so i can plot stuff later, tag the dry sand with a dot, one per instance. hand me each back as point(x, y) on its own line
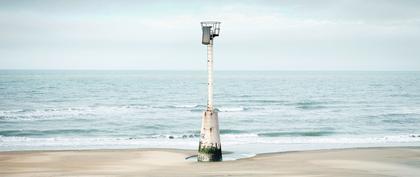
point(366, 162)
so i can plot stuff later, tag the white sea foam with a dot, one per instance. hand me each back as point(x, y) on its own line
point(188, 106)
point(231, 109)
point(30, 143)
point(64, 113)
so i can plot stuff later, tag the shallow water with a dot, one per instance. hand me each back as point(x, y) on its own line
point(259, 111)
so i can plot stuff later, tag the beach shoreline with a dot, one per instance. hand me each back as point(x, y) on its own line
point(376, 161)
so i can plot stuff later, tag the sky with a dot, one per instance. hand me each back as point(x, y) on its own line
point(166, 35)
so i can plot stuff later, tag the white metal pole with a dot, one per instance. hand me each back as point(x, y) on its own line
point(210, 75)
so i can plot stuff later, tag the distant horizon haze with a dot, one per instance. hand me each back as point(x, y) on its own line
point(203, 70)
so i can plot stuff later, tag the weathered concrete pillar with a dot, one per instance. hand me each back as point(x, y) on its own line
point(209, 148)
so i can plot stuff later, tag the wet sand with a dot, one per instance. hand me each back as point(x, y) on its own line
point(366, 162)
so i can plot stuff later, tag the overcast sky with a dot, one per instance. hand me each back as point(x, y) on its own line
point(255, 35)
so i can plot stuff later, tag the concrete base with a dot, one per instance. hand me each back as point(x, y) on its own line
point(209, 148)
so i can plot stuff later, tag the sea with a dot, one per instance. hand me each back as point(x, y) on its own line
point(259, 111)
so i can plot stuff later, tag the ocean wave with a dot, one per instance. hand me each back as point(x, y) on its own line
point(232, 131)
point(55, 132)
point(222, 109)
point(60, 113)
point(232, 109)
point(267, 101)
point(151, 126)
point(240, 137)
point(43, 143)
point(181, 106)
point(191, 107)
point(309, 105)
point(365, 139)
point(398, 115)
point(199, 108)
point(406, 95)
point(414, 135)
point(397, 118)
point(307, 133)
point(187, 106)
point(170, 136)
point(195, 134)
point(244, 96)
point(408, 120)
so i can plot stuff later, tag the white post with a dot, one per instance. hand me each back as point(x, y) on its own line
point(209, 147)
point(210, 75)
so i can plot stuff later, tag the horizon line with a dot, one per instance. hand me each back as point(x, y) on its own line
point(349, 70)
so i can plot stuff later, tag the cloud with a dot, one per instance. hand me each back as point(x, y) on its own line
point(345, 34)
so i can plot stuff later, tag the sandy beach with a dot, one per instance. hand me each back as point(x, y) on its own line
point(400, 161)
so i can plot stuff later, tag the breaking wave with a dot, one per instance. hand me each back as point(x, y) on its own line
point(309, 105)
point(308, 133)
